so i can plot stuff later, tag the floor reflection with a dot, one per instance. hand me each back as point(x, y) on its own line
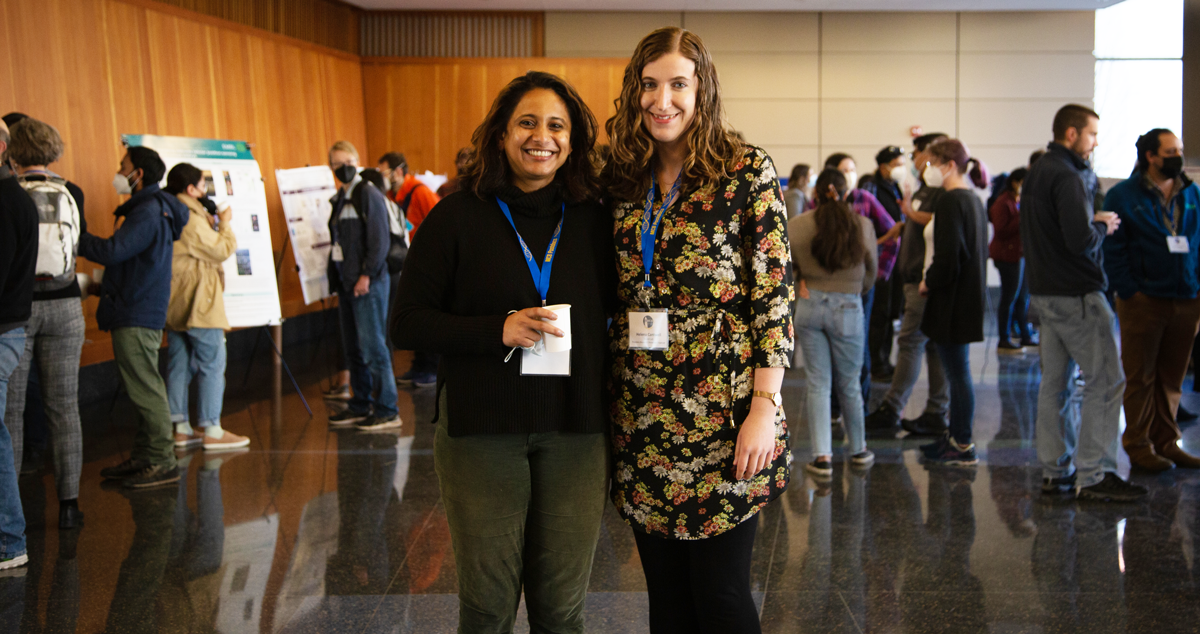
point(320, 530)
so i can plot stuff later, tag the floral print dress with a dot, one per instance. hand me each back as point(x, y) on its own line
point(722, 268)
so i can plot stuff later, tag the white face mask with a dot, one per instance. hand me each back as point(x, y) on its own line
point(121, 184)
point(851, 180)
point(933, 176)
point(812, 181)
point(897, 174)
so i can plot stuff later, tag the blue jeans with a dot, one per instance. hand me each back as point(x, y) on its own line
point(12, 516)
point(957, 366)
point(832, 332)
point(1014, 299)
point(1078, 330)
point(199, 352)
point(364, 340)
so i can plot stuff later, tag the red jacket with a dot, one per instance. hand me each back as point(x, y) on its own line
point(1005, 217)
point(422, 201)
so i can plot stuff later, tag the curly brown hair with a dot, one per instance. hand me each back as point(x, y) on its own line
point(488, 169)
point(713, 149)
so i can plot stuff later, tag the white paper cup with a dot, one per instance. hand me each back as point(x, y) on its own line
point(97, 275)
point(222, 206)
point(563, 323)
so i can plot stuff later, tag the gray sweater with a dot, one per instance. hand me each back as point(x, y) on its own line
point(854, 280)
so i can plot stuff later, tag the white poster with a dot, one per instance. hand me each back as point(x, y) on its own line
point(305, 192)
point(232, 175)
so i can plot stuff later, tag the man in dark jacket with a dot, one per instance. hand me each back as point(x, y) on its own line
point(1152, 262)
point(18, 257)
point(1061, 234)
point(134, 293)
point(358, 273)
point(889, 295)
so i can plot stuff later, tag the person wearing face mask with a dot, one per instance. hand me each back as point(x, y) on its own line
point(1152, 261)
point(1061, 236)
point(955, 282)
point(702, 338)
point(1005, 251)
point(884, 184)
point(134, 295)
point(196, 321)
point(520, 450)
point(358, 273)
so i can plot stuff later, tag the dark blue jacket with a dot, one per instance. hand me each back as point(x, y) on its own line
point(1136, 257)
point(137, 260)
point(364, 235)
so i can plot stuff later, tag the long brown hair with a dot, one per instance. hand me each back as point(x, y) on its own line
point(488, 169)
point(713, 150)
point(838, 244)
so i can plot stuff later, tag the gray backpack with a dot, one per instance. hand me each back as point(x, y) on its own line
point(58, 232)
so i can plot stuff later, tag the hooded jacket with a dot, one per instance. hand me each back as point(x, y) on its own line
point(137, 260)
point(197, 279)
point(1136, 256)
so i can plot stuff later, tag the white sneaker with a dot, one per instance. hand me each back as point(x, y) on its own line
point(15, 562)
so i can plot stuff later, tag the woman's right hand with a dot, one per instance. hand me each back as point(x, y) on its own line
point(525, 327)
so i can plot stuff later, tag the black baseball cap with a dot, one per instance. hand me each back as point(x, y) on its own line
point(888, 154)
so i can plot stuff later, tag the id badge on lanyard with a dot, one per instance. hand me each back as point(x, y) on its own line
point(651, 329)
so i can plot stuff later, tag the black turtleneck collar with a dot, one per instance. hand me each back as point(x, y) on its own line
point(543, 202)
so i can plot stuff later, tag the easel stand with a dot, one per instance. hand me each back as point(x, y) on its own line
point(275, 335)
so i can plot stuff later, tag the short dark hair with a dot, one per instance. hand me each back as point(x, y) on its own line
point(1149, 143)
point(373, 176)
point(149, 162)
point(1035, 155)
point(888, 154)
point(488, 169)
point(395, 161)
point(923, 141)
point(1070, 116)
point(836, 159)
point(182, 175)
point(12, 118)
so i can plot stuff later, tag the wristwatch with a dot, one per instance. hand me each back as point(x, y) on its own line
point(774, 397)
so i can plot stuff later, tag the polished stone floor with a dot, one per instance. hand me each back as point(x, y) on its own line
point(320, 530)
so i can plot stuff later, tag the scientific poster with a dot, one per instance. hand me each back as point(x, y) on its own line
point(305, 192)
point(231, 174)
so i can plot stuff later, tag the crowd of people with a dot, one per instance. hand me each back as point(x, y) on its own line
point(688, 273)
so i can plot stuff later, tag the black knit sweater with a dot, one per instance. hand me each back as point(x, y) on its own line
point(465, 272)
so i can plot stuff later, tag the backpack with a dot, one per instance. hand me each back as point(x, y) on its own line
point(398, 250)
point(58, 232)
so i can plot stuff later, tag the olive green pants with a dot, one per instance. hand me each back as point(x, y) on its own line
point(524, 512)
point(136, 353)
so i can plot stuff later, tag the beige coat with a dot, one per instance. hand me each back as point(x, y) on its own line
point(197, 279)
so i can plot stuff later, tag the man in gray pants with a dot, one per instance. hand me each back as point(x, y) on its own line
point(1061, 235)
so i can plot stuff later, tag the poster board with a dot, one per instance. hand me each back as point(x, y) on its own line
point(232, 175)
point(305, 192)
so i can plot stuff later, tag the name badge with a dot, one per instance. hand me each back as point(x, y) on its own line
point(649, 330)
point(1177, 244)
point(336, 253)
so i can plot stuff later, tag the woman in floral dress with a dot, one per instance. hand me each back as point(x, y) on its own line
point(699, 437)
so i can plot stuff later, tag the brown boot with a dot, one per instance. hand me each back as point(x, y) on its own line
point(1145, 458)
point(1181, 458)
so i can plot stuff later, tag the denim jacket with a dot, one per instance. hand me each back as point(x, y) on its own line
point(1136, 256)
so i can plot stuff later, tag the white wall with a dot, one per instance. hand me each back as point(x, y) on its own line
point(805, 85)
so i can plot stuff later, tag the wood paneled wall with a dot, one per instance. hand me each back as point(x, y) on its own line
point(428, 107)
point(330, 23)
point(96, 69)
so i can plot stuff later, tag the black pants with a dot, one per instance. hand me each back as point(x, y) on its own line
point(1014, 299)
point(889, 300)
point(701, 586)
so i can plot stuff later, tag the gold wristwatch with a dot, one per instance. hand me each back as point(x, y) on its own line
point(774, 397)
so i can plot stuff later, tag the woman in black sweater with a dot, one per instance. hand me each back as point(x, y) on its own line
point(521, 457)
point(955, 281)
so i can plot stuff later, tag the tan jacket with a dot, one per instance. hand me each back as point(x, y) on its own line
point(197, 279)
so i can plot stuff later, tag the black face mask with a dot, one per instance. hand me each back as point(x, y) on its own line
point(1172, 166)
point(345, 173)
point(209, 205)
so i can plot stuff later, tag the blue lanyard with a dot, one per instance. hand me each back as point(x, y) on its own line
point(651, 220)
point(541, 275)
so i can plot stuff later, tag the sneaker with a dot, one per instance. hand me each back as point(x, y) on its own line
point(1030, 342)
point(376, 423)
point(346, 417)
point(883, 418)
point(337, 393)
point(822, 469)
point(1059, 486)
point(227, 441)
point(424, 379)
point(184, 441)
point(406, 379)
point(953, 454)
point(864, 458)
point(1112, 489)
point(936, 447)
point(124, 470)
point(14, 562)
point(152, 476)
point(927, 424)
point(1008, 347)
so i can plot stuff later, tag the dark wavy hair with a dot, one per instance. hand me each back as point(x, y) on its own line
point(713, 149)
point(488, 170)
point(955, 151)
point(182, 175)
point(838, 243)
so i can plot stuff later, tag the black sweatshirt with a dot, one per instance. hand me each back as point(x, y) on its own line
point(957, 277)
point(465, 272)
point(18, 254)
